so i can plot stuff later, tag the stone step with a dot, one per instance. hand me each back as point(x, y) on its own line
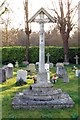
point(19, 102)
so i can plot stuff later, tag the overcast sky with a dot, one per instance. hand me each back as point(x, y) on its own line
point(17, 7)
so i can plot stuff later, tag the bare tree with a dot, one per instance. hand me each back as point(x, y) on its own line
point(27, 31)
point(2, 8)
point(64, 15)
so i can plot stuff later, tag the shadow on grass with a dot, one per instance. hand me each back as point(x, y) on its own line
point(8, 87)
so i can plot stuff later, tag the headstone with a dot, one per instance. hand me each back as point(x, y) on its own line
point(10, 70)
point(60, 69)
point(21, 74)
point(65, 78)
point(48, 55)
point(50, 65)
point(47, 67)
point(5, 68)
point(16, 64)
point(48, 72)
point(76, 59)
point(2, 75)
point(32, 67)
point(77, 73)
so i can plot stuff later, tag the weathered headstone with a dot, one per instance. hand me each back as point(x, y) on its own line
point(32, 67)
point(60, 69)
point(2, 75)
point(65, 78)
point(76, 58)
point(48, 55)
point(21, 74)
point(5, 68)
point(10, 70)
point(51, 65)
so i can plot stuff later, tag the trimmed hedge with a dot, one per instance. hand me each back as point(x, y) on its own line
point(13, 54)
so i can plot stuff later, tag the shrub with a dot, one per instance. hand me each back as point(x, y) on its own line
point(13, 54)
point(20, 82)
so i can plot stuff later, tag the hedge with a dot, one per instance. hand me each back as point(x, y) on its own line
point(13, 54)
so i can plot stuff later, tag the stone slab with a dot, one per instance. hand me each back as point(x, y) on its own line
point(21, 74)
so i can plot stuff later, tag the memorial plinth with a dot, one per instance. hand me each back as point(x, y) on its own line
point(42, 95)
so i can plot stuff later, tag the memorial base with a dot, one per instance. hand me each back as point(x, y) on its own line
point(42, 96)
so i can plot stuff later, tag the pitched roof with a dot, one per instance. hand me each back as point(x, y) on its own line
point(45, 12)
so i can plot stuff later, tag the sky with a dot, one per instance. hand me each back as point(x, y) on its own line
point(17, 12)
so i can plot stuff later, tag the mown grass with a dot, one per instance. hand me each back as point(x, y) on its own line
point(8, 90)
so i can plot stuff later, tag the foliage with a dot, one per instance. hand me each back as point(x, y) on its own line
point(17, 37)
point(29, 77)
point(13, 54)
point(20, 82)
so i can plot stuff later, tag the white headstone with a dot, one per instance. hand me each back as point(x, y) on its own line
point(47, 67)
point(21, 74)
point(10, 70)
point(76, 59)
point(10, 65)
point(48, 72)
point(77, 73)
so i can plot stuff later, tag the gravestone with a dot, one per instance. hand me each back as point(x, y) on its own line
point(60, 69)
point(21, 74)
point(77, 72)
point(76, 58)
point(10, 70)
point(2, 75)
point(48, 72)
point(5, 68)
point(50, 65)
point(32, 67)
point(48, 55)
point(65, 78)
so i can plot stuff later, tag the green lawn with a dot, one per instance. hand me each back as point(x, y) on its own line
point(8, 90)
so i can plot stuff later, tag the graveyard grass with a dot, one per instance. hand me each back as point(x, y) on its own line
point(8, 90)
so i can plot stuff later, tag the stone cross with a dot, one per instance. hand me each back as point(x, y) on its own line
point(76, 59)
point(48, 55)
point(42, 75)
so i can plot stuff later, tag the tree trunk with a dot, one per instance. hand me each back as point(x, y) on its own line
point(27, 48)
point(66, 48)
